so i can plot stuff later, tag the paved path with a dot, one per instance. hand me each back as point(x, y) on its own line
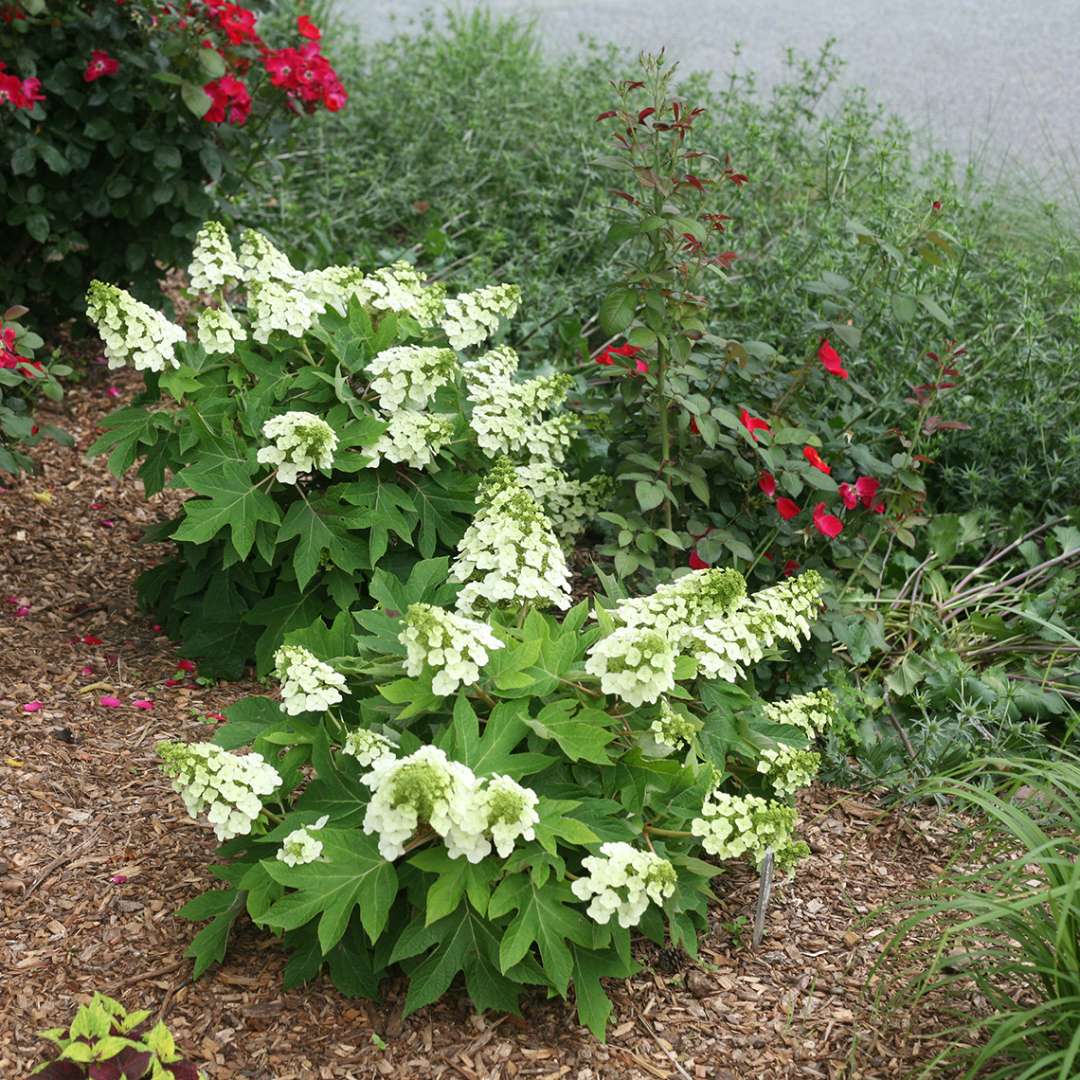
point(993, 78)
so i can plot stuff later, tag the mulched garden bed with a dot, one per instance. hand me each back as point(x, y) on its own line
point(96, 854)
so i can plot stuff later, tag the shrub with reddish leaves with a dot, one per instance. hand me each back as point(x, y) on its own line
point(126, 125)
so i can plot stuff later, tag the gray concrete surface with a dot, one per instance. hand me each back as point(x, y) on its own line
point(997, 79)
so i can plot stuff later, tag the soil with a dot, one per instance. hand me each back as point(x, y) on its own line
point(96, 854)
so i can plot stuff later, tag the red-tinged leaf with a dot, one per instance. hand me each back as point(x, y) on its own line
point(606, 115)
point(624, 195)
point(694, 182)
point(676, 108)
point(634, 85)
point(641, 116)
point(691, 154)
point(61, 1070)
point(183, 1070)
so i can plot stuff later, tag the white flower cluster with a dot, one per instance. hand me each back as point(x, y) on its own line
point(788, 769)
point(473, 317)
point(427, 788)
point(260, 260)
point(621, 881)
point(300, 847)
point(568, 503)
point(369, 748)
point(412, 438)
point(812, 713)
point(734, 825)
point(509, 552)
point(406, 376)
point(277, 305)
point(332, 286)
point(725, 646)
point(676, 607)
point(213, 261)
point(634, 663)
point(505, 414)
point(301, 442)
point(131, 330)
point(307, 684)
point(226, 786)
point(673, 729)
point(401, 288)
point(453, 646)
point(219, 330)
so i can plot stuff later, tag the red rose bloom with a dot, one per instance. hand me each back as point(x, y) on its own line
point(827, 524)
point(866, 487)
point(101, 65)
point(753, 424)
point(787, 509)
point(767, 483)
point(814, 458)
point(790, 567)
point(830, 358)
point(849, 495)
point(230, 101)
point(308, 29)
point(696, 562)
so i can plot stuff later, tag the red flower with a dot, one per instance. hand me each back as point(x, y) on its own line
point(936, 204)
point(752, 424)
point(790, 567)
point(814, 458)
point(238, 24)
point(849, 495)
point(186, 665)
point(308, 29)
point(19, 93)
point(696, 562)
point(866, 487)
point(878, 507)
point(834, 365)
point(607, 357)
point(101, 65)
point(827, 524)
point(694, 429)
point(230, 101)
point(767, 483)
point(787, 509)
point(641, 367)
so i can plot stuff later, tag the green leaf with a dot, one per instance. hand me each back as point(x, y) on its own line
point(617, 310)
point(317, 526)
point(234, 503)
point(195, 98)
point(211, 942)
point(582, 734)
point(544, 918)
point(352, 964)
point(493, 751)
point(211, 62)
point(650, 494)
point(456, 878)
point(351, 872)
point(593, 1004)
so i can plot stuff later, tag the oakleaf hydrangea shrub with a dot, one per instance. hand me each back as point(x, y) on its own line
point(124, 125)
point(479, 781)
point(323, 424)
point(106, 1041)
point(24, 380)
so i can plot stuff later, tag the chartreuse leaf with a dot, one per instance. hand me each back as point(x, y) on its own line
point(582, 733)
point(462, 942)
point(456, 878)
point(545, 918)
point(350, 873)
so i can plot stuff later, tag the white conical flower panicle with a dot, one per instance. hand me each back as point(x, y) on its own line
point(407, 376)
point(401, 288)
point(213, 261)
point(622, 881)
point(676, 607)
point(473, 317)
point(218, 331)
point(260, 261)
point(131, 330)
point(454, 647)
point(278, 306)
point(300, 847)
point(307, 684)
point(301, 441)
point(674, 729)
point(734, 825)
point(792, 604)
point(812, 713)
point(331, 287)
point(568, 503)
point(509, 812)
point(425, 788)
point(411, 438)
point(634, 664)
point(369, 748)
point(788, 770)
point(509, 553)
point(226, 786)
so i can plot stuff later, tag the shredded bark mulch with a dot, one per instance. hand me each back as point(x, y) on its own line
point(96, 854)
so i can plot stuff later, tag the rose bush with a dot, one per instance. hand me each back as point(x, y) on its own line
point(473, 786)
point(324, 424)
point(124, 126)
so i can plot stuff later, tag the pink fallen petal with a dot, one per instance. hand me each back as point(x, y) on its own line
point(87, 670)
point(119, 879)
point(186, 665)
point(32, 706)
point(142, 703)
point(174, 682)
point(97, 506)
point(12, 600)
point(156, 628)
point(113, 391)
point(107, 523)
point(90, 639)
point(215, 716)
point(22, 611)
point(110, 702)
